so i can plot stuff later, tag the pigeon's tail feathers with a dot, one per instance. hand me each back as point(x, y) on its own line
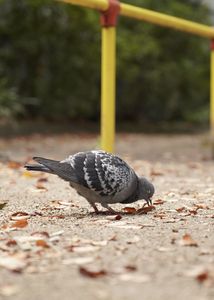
point(62, 169)
point(37, 167)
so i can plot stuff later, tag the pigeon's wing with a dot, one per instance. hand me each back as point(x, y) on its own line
point(102, 172)
point(62, 169)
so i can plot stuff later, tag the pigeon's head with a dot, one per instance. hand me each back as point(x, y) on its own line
point(145, 190)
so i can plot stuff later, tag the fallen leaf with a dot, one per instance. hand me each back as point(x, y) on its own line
point(42, 179)
point(193, 211)
point(41, 234)
point(201, 206)
point(82, 248)
point(40, 186)
point(91, 273)
point(130, 210)
point(160, 215)
point(57, 233)
point(2, 205)
point(188, 241)
point(115, 217)
point(145, 210)
point(20, 224)
point(11, 242)
point(99, 243)
point(180, 209)
point(58, 204)
point(42, 243)
point(156, 173)
point(202, 276)
point(130, 268)
point(14, 165)
point(169, 221)
point(19, 216)
point(159, 202)
point(134, 240)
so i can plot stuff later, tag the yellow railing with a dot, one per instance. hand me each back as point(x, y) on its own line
point(108, 58)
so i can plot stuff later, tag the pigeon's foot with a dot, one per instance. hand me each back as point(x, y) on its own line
point(111, 210)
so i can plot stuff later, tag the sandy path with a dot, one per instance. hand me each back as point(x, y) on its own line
point(139, 256)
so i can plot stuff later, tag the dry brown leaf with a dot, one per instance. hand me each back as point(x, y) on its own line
point(99, 243)
point(113, 238)
point(40, 186)
point(11, 242)
point(202, 276)
point(59, 204)
point(130, 210)
point(169, 220)
point(133, 240)
point(20, 224)
point(57, 233)
point(206, 277)
point(82, 248)
point(42, 243)
point(159, 202)
point(180, 209)
point(156, 173)
point(130, 268)
point(201, 206)
point(41, 234)
point(92, 273)
point(145, 210)
point(113, 218)
point(14, 165)
point(187, 240)
point(56, 216)
point(160, 215)
point(42, 179)
point(20, 215)
point(193, 211)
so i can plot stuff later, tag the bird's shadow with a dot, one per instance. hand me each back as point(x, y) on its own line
point(87, 213)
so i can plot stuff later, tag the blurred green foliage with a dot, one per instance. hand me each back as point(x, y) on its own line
point(50, 63)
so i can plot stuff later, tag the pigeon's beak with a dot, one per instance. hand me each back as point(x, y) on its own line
point(149, 202)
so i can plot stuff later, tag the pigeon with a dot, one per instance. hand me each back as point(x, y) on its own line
point(98, 176)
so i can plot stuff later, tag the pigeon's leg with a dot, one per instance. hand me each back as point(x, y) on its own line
point(105, 205)
point(94, 207)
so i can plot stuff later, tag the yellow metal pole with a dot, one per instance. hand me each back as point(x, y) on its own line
point(166, 20)
point(95, 4)
point(212, 98)
point(108, 88)
point(149, 16)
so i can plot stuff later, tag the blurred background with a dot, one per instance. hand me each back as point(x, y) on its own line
point(50, 68)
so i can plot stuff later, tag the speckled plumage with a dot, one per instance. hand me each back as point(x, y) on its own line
point(99, 177)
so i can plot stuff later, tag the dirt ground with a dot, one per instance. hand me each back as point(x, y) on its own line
point(52, 244)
